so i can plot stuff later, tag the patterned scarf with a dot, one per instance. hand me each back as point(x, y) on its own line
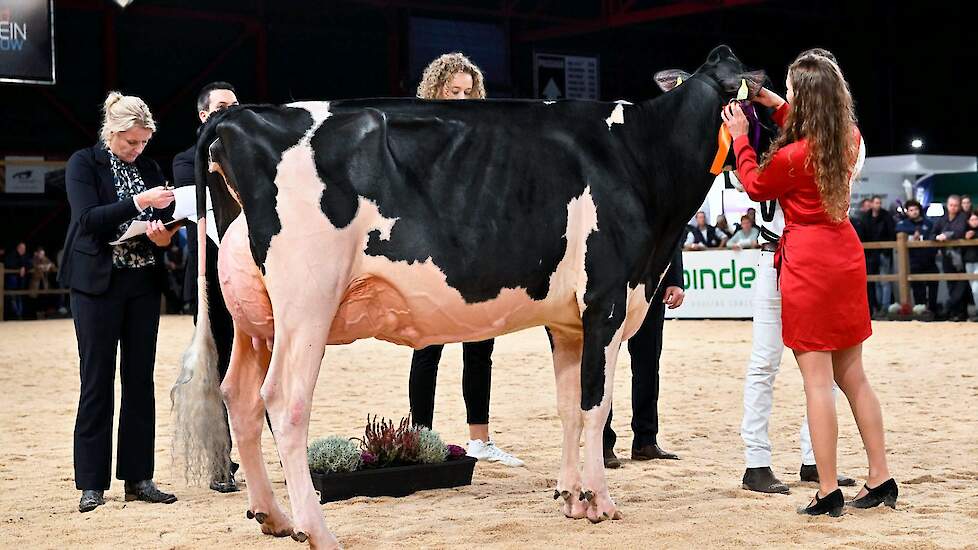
point(128, 182)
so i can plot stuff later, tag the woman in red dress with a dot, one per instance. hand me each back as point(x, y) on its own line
point(820, 261)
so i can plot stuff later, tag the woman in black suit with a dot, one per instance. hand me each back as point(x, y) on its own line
point(115, 299)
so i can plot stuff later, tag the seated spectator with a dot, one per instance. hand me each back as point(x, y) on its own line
point(20, 262)
point(966, 206)
point(703, 235)
point(42, 272)
point(919, 228)
point(746, 236)
point(724, 231)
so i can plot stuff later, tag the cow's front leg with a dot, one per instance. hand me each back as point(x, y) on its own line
point(246, 411)
point(567, 371)
point(287, 392)
point(603, 326)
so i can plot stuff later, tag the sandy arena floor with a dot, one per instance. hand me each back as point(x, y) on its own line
point(926, 381)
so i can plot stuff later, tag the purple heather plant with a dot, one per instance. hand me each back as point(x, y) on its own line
point(455, 452)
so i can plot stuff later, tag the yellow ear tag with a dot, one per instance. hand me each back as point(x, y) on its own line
point(743, 91)
point(679, 80)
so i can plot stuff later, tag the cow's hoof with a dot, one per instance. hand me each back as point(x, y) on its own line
point(261, 517)
point(572, 508)
point(299, 536)
point(602, 508)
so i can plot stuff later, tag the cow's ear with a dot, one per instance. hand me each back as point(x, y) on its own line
point(671, 78)
point(755, 81)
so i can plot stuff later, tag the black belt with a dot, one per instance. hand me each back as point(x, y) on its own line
point(769, 247)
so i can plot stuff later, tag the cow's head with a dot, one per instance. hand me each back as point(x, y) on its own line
point(721, 67)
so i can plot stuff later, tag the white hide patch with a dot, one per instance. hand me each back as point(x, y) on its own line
point(549, 102)
point(623, 102)
point(617, 116)
point(319, 111)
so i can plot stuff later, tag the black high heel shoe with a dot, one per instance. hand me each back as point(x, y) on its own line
point(884, 493)
point(830, 504)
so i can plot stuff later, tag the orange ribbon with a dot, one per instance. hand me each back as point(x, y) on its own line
point(724, 140)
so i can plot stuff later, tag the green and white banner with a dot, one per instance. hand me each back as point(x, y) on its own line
point(719, 284)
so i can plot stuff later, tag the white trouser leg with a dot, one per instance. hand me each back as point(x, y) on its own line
point(765, 361)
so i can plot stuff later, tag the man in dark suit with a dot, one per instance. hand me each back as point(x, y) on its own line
point(645, 348)
point(212, 97)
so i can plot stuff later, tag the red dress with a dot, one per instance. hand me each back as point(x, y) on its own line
point(821, 265)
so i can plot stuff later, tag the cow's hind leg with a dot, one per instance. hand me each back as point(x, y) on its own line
point(246, 411)
point(603, 327)
point(567, 372)
point(298, 352)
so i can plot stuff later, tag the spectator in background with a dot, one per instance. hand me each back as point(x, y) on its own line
point(702, 236)
point(918, 228)
point(746, 236)
point(970, 254)
point(966, 206)
point(176, 264)
point(877, 225)
point(724, 231)
point(40, 279)
point(953, 225)
point(20, 262)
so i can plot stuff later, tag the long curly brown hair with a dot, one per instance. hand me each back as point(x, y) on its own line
point(440, 71)
point(822, 111)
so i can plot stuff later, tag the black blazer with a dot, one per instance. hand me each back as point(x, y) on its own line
point(96, 213)
point(184, 175)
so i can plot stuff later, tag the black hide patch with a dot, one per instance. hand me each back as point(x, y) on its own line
point(253, 140)
point(481, 188)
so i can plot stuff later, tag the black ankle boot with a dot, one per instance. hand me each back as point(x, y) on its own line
point(884, 493)
point(830, 504)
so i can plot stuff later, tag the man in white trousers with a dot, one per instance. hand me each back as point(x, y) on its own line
point(765, 362)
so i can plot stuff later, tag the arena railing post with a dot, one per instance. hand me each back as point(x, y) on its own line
point(903, 269)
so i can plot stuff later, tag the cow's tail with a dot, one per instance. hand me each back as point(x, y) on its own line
point(200, 432)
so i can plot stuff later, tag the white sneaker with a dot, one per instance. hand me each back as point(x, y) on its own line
point(476, 448)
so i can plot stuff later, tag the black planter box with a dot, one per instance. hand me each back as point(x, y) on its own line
point(397, 481)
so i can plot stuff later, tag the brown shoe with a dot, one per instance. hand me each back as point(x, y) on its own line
point(611, 459)
point(652, 452)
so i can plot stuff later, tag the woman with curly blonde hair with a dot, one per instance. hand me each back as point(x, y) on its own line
point(453, 76)
point(820, 262)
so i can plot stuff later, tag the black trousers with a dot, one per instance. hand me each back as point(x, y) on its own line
point(476, 380)
point(127, 315)
point(645, 347)
point(958, 291)
point(925, 292)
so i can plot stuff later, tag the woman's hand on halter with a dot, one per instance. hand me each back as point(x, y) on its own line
point(733, 117)
point(768, 98)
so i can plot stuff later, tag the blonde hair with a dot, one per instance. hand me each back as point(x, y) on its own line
point(823, 113)
point(439, 72)
point(122, 112)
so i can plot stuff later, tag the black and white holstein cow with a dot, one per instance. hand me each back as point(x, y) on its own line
point(426, 222)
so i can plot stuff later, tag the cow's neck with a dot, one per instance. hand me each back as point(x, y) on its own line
point(674, 147)
point(678, 137)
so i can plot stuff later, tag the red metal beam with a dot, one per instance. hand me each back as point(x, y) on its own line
point(436, 7)
point(194, 84)
point(110, 69)
point(624, 18)
point(89, 133)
